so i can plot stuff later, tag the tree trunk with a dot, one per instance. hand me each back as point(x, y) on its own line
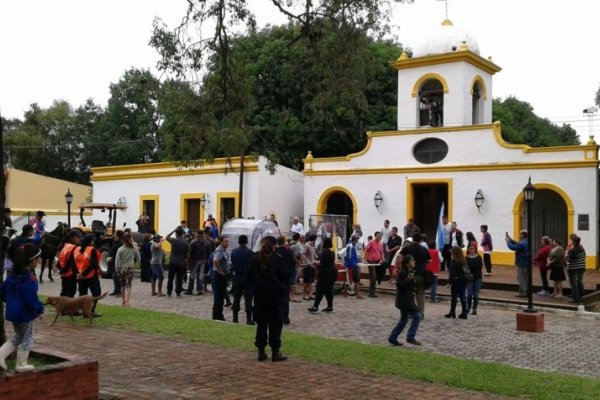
point(241, 189)
point(2, 249)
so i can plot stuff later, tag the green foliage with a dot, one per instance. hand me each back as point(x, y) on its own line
point(521, 125)
point(315, 84)
point(461, 373)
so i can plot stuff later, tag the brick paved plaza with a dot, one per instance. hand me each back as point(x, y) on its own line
point(489, 336)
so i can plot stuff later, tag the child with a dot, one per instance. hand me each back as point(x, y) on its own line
point(19, 292)
point(434, 266)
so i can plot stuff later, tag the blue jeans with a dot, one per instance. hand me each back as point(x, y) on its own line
point(433, 289)
point(576, 281)
point(412, 330)
point(473, 289)
point(196, 276)
point(157, 272)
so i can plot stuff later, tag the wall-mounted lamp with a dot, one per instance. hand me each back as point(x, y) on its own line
point(479, 199)
point(204, 201)
point(122, 201)
point(378, 199)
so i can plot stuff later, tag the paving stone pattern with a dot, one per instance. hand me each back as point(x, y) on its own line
point(568, 344)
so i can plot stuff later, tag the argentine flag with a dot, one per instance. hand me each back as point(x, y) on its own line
point(440, 230)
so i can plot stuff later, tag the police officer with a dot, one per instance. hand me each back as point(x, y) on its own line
point(240, 261)
point(268, 277)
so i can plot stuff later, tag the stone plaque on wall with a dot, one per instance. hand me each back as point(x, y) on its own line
point(583, 222)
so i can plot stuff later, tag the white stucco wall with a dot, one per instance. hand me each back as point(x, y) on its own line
point(263, 193)
point(281, 192)
point(475, 160)
point(500, 188)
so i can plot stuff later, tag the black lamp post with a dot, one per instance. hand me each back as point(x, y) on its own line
point(529, 193)
point(69, 200)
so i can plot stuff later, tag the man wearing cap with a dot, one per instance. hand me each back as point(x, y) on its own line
point(521, 260)
point(240, 263)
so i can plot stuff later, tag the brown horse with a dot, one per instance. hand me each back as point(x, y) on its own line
point(49, 247)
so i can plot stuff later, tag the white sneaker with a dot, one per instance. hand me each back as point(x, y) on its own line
point(543, 293)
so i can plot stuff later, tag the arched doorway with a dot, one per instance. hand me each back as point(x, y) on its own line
point(552, 213)
point(431, 103)
point(477, 103)
point(339, 200)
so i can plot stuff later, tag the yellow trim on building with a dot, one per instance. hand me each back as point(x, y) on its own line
point(425, 78)
point(322, 203)
point(507, 258)
point(169, 164)
point(477, 78)
point(183, 206)
point(454, 168)
point(437, 59)
point(497, 129)
point(74, 212)
point(520, 203)
point(432, 181)
point(227, 195)
point(155, 173)
point(153, 218)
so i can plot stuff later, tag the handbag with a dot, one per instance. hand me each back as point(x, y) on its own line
point(467, 274)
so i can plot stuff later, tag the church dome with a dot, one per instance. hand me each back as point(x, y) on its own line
point(446, 38)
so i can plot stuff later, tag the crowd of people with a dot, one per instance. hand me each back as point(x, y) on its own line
point(268, 280)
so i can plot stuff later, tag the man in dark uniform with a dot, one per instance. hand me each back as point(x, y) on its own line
point(290, 264)
point(269, 281)
point(240, 262)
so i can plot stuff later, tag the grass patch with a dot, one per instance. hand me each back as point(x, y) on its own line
point(384, 360)
point(37, 362)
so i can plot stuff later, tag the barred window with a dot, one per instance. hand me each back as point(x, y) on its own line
point(430, 151)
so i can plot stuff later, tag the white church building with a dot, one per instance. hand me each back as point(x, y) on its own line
point(446, 150)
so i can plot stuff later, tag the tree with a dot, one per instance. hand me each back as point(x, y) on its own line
point(597, 99)
point(284, 87)
point(128, 131)
point(521, 125)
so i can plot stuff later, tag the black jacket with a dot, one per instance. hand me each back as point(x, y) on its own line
point(405, 292)
point(270, 281)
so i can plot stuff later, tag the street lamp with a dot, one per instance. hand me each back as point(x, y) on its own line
point(529, 193)
point(69, 200)
point(378, 199)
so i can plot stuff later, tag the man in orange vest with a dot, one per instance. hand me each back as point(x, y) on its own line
point(87, 262)
point(66, 264)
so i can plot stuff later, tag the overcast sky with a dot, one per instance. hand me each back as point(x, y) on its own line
point(73, 49)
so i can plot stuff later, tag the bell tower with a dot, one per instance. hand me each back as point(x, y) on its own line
point(445, 82)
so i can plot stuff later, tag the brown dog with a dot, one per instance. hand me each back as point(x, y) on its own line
point(71, 305)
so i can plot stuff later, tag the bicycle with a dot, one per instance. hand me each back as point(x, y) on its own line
point(342, 283)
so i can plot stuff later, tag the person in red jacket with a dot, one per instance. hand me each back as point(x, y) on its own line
point(541, 260)
point(434, 267)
